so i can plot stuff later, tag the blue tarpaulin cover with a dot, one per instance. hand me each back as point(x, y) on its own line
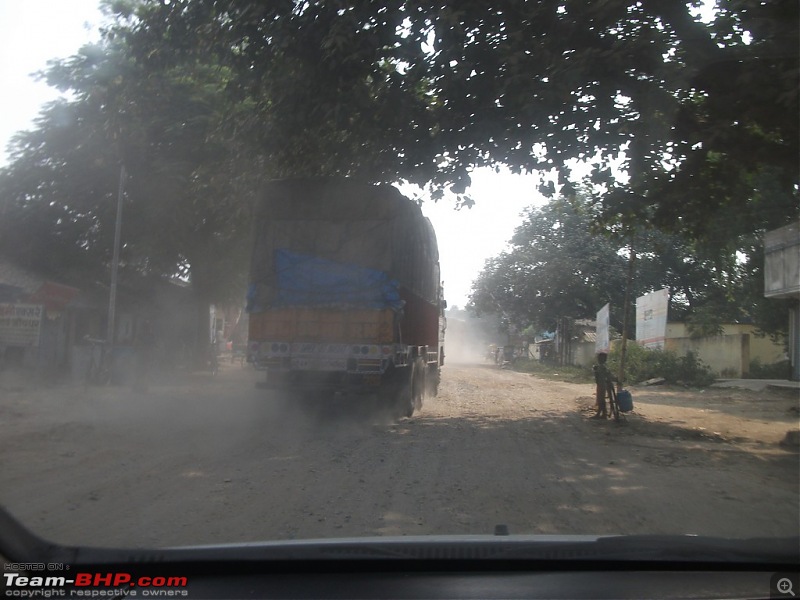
point(311, 281)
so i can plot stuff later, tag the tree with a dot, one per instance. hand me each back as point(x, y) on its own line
point(557, 267)
point(57, 197)
point(188, 188)
point(561, 265)
point(425, 91)
point(707, 287)
point(201, 100)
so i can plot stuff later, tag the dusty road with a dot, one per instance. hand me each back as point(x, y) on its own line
point(203, 460)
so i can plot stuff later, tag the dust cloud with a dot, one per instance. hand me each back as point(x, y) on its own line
point(467, 338)
point(199, 459)
point(183, 412)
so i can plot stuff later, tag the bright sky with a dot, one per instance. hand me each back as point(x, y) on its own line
point(35, 31)
point(469, 236)
point(31, 33)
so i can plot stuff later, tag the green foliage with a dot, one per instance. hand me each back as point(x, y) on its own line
point(642, 364)
point(778, 370)
point(425, 91)
point(203, 100)
point(705, 321)
point(557, 266)
point(186, 194)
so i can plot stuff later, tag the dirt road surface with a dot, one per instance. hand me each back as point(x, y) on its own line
point(203, 459)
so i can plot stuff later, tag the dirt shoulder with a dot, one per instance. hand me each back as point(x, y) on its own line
point(755, 420)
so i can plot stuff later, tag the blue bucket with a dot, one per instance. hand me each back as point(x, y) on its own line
point(625, 401)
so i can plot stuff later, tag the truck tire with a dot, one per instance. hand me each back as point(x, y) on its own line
point(404, 402)
point(418, 383)
point(398, 392)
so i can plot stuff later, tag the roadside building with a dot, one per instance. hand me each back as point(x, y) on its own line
point(34, 321)
point(54, 327)
point(782, 281)
point(729, 354)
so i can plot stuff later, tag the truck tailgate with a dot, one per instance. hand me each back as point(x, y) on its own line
point(306, 324)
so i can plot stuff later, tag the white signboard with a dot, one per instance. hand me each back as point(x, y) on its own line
point(602, 344)
point(651, 319)
point(20, 324)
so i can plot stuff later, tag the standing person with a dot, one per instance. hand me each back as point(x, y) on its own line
point(603, 381)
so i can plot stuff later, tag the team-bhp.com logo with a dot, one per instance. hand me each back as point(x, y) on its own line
point(93, 585)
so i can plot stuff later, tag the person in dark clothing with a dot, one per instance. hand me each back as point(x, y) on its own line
point(603, 380)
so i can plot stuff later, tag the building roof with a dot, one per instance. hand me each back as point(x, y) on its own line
point(12, 275)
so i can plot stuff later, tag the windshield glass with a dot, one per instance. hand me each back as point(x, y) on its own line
point(312, 269)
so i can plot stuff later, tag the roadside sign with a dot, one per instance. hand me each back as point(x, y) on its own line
point(602, 343)
point(651, 319)
point(20, 324)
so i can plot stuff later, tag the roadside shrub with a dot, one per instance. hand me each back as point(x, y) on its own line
point(642, 364)
point(691, 370)
point(778, 370)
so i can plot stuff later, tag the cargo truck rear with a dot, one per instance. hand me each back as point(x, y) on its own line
point(345, 293)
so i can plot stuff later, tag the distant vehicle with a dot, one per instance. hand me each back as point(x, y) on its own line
point(345, 293)
point(491, 353)
point(509, 355)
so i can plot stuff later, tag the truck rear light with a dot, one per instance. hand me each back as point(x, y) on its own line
point(370, 365)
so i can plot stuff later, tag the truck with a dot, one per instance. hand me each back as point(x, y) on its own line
point(344, 293)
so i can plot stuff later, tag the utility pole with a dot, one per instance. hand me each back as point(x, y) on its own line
point(112, 297)
point(625, 312)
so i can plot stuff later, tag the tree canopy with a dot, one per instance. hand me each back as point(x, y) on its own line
point(185, 195)
point(559, 265)
point(703, 113)
point(202, 100)
point(555, 268)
